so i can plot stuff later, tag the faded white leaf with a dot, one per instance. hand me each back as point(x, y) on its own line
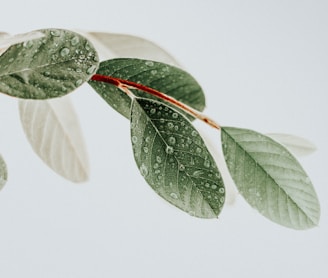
point(111, 46)
point(297, 145)
point(53, 130)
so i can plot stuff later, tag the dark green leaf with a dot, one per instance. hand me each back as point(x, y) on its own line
point(270, 178)
point(3, 173)
point(174, 160)
point(47, 67)
point(162, 77)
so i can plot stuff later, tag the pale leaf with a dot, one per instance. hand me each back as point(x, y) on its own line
point(53, 130)
point(297, 145)
point(111, 46)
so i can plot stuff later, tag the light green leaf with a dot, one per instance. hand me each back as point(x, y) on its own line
point(270, 178)
point(174, 160)
point(297, 145)
point(53, 130)
point(46, 67)
point(110, 45)
point(162, 77)
point(3, 173)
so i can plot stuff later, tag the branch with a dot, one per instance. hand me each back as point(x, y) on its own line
point(126, 84)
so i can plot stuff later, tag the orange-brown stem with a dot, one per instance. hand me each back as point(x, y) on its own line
point(122, 84)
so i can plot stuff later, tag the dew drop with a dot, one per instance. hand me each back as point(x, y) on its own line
point(145, 149)
point(75, 40)
point(182, 167)
point(147, 140)
point(78, 82)
point(28, 44)
point(207, 163)
point(64, 52)
point(91, 69)
point(197, 173)
point(221, 190)
point(169, 150)
point(55, 33)
point(153, 72)
point(174, 195)
point(175, 115)
point(87, 46)
point(46, 73)
point(172, 140)
point(152, 111)
point(158, 159)
point(134, 139)
point(170, 125)
point(149, 63)
point(162, 120)
point(194, 133)
point(207, 185)
point(214, 186)
point(155, 166)
point(143, 170)
point(198, 150)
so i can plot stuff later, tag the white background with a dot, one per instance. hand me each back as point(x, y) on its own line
point(263, 65)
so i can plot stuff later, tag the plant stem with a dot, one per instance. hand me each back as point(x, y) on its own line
point(126, 84)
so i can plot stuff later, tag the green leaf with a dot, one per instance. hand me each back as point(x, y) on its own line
point(174, 160)
point(270, 179)
point(162, 77)
point(47, 67)
point(3, 173)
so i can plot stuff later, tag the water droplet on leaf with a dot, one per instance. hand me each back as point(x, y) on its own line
point(169, 150)
point(75, 40)
point(78, 82)
point(134, 139)
point(91, 69)
point(172, 140)
point(149, 63)
point(55, 33)
point(174, 195)
point(144, 170)
point(64, 52)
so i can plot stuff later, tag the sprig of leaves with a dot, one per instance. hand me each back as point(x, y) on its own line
point(160, 101)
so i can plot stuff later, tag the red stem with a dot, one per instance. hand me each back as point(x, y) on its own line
point(126, 84)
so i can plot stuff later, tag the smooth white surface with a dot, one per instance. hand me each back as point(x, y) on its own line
point(263, 65)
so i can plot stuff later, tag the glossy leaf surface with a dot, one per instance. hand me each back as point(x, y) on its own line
point(47, 67)
point(270, 178)
point(53, 130)
point(174, 160)
point(162, 77)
